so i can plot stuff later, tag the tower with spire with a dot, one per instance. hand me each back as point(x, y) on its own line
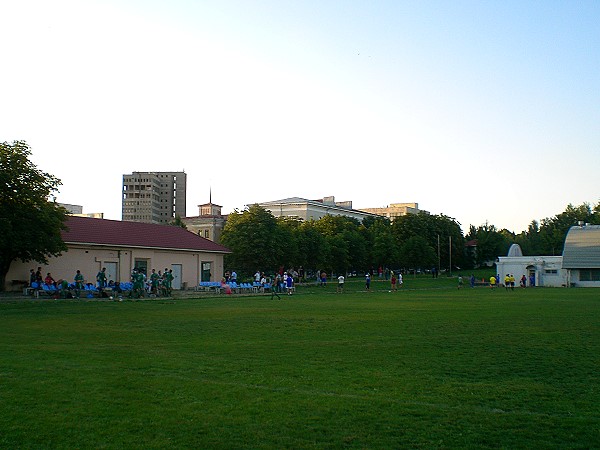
point(209, 222)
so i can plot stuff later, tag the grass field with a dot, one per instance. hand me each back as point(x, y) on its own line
point(430, 366)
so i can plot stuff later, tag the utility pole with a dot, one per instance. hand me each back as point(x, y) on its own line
point(439, 265)
point(450, 253)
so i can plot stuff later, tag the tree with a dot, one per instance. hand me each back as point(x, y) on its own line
point(553, 231)
point(255, 239)
point(382, 244)
point(416, 253)
point(30, 224)
point(491, 243)
point(312, 246)
point(345, 248)
point(439, 231)
point(530, 240)
point(178, 222)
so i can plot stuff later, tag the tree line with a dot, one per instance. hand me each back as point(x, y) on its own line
point(338, 244)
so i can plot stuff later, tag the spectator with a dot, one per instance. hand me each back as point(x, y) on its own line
point(79, 280)
point(101, 278)
point(49, 280)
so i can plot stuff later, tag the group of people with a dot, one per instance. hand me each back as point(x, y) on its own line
point(510, 281)
point(396, 281)
point(63, 288)
point(283, 280)
point(157, 284)
point(280, 281)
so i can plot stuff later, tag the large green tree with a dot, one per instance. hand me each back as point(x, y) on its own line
point(547, 237)
point(416, 253)
point(491, 243)
point(30, 223)
point(256, 240)
point(345, 247)
point(442, 233)
point(382, 248)
point(553, 231)
point(312, 246)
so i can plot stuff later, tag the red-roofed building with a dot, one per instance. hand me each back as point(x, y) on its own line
point(121, 246)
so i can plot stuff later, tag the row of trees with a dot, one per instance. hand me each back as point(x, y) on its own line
point(415, 241)
point(340, 244)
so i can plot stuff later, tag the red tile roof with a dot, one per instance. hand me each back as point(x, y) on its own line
point(86, 230)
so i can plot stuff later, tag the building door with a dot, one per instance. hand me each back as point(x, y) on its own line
point(205, 274)
point(176, 268)
point(531, 276)
point(141, 265)
point(111, 271)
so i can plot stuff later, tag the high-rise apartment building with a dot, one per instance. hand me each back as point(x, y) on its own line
point(154, 197)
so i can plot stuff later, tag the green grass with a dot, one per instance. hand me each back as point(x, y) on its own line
point(430, 366)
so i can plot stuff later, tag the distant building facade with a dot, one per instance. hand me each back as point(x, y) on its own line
point(395, 210)
point(77, 210)
point(304, 209)
point(209, 222)
point(154, 197)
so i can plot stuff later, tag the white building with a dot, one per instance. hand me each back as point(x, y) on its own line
point(304, 209)
point(578, 266)
point(542, 270)
point(581, 256)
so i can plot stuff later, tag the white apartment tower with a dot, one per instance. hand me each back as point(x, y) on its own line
point(154, 197)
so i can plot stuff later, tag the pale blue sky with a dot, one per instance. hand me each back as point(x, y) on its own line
point(480, 110)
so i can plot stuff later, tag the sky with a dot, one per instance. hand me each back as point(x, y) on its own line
point(484, 111)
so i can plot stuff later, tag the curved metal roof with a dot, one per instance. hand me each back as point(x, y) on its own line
point(582, 248)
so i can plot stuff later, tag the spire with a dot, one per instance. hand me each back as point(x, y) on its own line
point(210, 195)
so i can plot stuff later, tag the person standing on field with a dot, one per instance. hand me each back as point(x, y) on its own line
point(323, 279)
point(340, 286)
point(394, 279)
point(101, 278)
point(154, 279)
point(79, 280)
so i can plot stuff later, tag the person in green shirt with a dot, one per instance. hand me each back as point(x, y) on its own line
point(79, 280)
point(101, 278)
point(137, 277)
point(154, 279)
point(167, 281)
point(63, 285)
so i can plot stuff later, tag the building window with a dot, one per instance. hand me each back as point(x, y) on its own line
point(206, 234)
point(589, 274)
point(551, 272)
